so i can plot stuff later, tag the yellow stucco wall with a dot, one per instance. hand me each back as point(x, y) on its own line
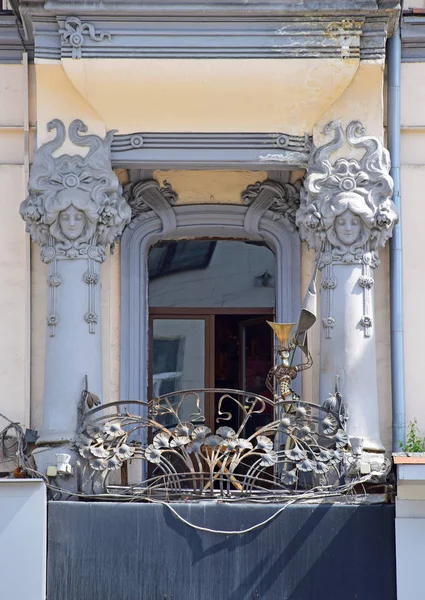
point(204, 187)
point(210, 95)
point(362, 100)
point(412, 186)
point(14, 248)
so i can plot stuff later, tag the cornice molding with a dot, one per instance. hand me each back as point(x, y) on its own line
point(206, 29)
point(413, 38)
point(211, 150)
point(206, 7)
point(241, 37)
point(10, 42)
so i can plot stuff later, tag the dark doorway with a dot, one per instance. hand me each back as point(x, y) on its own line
point(212, 349)
point(243, 357)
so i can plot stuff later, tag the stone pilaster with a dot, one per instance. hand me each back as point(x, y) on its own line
point(346, 214)
point(74, 210)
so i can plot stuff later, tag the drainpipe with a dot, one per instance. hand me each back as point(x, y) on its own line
point(14, 5)
point(396, 257)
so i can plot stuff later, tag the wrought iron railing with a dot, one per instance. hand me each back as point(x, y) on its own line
point(277, 445)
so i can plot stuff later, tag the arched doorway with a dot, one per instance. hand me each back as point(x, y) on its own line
point(216, 222)
point(209, 302)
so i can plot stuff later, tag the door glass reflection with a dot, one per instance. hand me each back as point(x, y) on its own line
point(214, 274)
point(179, 362)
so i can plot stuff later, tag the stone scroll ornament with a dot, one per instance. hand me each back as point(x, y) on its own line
point(346, 213)
point(75, 206)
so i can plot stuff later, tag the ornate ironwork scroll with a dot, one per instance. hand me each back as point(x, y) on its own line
point(302, 446)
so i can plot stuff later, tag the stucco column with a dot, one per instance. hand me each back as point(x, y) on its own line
point(73, 211)
point(346, 214)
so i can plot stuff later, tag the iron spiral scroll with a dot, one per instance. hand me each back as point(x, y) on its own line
point(303, 446)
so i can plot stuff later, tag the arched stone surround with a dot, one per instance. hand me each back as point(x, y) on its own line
point(192, 221)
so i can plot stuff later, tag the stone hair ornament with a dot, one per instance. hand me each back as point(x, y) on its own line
point(75, 205)
point(347, 204)
point(346, 213)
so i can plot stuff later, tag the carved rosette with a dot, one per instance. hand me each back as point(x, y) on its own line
point(346, 209)
point(75, 206)
point(74, 32)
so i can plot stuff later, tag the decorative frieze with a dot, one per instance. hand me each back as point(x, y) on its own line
point(235, 30)
point(74, 31)
point(75, 207)
point(198, 141)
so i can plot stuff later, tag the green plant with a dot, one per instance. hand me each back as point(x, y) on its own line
point(414, 441)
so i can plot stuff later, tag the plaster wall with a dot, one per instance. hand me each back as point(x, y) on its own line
point(413, 4)
point(13, 297)
point(203, 187)
point(362, 100)
point(209, 95)
point(293, 96)
point(412, 186)
point(14, 248)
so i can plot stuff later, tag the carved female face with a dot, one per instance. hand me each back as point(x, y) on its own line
point(348, 227)
point(72, 222)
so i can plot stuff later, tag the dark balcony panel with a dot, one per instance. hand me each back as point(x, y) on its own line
point(111, 551)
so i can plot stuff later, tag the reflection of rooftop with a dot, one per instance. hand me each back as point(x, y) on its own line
point(205, 273)
point(176, 256)
point(158, 378)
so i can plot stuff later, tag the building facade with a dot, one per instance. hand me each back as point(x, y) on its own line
point(230, 155)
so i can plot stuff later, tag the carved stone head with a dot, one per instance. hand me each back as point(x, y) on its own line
point(72, 217)
point(348, 227)
point(348, 222)
point(72, 222)
point(75, 206)
point(346, 207)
